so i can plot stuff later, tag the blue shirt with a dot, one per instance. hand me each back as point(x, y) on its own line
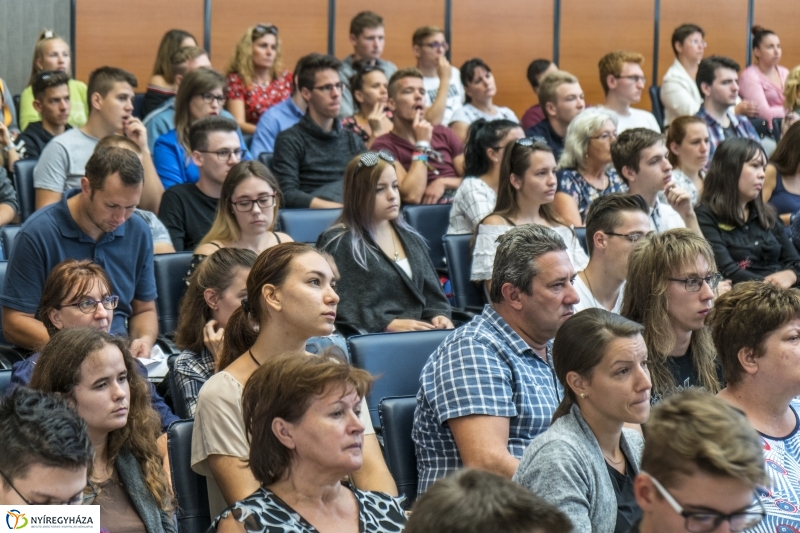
point(51, 235)
point(545, 131)
point(273, 121)
point(162, 119)
point(482, 368)
point(741, 125)
point(172, 163)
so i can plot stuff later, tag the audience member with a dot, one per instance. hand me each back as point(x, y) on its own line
point(429, 159)
point(8, 155)
point(688, 144)
point(311, 155)
point(201, 94)
point(702, 466)
point(387, 281)
point(755, 328)
point(480, 88)
point(680, 95)
point(163, 85)
point(586, 462)
point(286, 282)
point(476, 197)
point(62, 163)
point(623, 81)
point(499, 363)
point(762, 82)
point(51, 52)
point(47, 454)
point(188, 209)
point(51, 101)
point(94, 222)
point(287, 408)
point(718, 81)
point(537, 70)
point(430, 49)
point(747, 237)
point(367, 36)
point(670, 288)
point(9, 206)
point(256, 79)
point(561, 99)
point(370, 89)
point(8, 112)
point(524, 196)
point(615, 223)
point(640, 158)
point(782, 177)
point(791, 99)
point(474, 501)
point(585, 171)
point(97, 373)
point(216, 289)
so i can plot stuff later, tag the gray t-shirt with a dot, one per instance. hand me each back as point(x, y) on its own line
point(63, 160)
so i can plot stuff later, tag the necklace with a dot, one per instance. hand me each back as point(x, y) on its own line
point(396, 255)
point(611, 460)
point(253, 357)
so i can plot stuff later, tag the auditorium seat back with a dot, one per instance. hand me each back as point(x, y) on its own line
point(466, 294)
point(266, 159)
point(431, 221)
point(397, 421)
point(306, 225)
point(23, 183)
point(190, 488)
point(656, 106)
point(170, 269)
point(7, 236)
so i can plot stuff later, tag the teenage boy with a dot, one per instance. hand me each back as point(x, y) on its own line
point(623, 81)
point(561, 98)
point(430, 49)
point(51, 101)
point(537, 70)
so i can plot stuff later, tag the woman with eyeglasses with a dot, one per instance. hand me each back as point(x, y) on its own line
point(524, 196)
point(96, 372)
point(670, 289)
point(371, 119)
point(387, 280)
point(585, 171)
point(483, 151)
point(256, 79)
point(201, 94)
point(162, 85)
point(480, 88)
point(756, 331)
point(748, 238)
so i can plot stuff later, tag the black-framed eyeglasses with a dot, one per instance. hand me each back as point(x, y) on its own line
point(225, 155)
point(264, 201)
point(695, 284)
point(328, 87)
point(707, 521)
point(634, 79)
point(634, 236)
point(370, 159)
point(437, 46)
point(210, 98)
point(89, 306)
point(262, 29)
point(84, 498)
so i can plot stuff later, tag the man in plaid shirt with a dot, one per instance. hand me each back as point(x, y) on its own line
point(490, 388)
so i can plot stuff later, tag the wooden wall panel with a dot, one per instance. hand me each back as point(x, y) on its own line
point(127, 34)
point(589, 30)
point(303, 27)
point(781, 17)
point(517, 32)
point(401, 19)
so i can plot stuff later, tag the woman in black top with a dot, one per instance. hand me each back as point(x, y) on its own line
point(747, 237)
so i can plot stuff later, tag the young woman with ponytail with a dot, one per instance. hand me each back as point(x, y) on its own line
point(291, 297)
point(585, 463)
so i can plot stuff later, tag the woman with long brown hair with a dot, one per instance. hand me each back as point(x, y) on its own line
point(162, 85)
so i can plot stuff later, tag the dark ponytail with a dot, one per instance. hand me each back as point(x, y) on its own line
point(481, 136)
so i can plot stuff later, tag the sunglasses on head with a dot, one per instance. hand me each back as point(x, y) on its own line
point(370, 159)
point(263, 29)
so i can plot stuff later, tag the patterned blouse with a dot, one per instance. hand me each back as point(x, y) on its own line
point(350, 123)
point(571, 182)
point(257, 97)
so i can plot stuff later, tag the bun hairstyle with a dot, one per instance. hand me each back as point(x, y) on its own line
point(759, 33)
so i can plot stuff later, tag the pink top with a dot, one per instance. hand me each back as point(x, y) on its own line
point(759, 89)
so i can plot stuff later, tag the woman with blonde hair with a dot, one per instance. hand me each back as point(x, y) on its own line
point(256, 79)
point(791, 99)
point(162, 84)
point(51, 52)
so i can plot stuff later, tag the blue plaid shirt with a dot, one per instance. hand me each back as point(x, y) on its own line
point(482, 368)
point(716, 132)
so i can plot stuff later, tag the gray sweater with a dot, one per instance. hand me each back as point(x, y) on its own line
point(130, 474)
point(564, 466)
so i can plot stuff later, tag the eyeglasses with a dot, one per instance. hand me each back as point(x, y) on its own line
point(262, 29)
point(327, 88)
point(90, 306)
point(245, 206)
point(605, 136)
point(225, 155)
point(634, 79)
point(370, 159)
point(695, 42)
point(84, 498)
point(695, 284)
point(210, 98)
point(707, 521)
point(634, 237)
point(436, 45)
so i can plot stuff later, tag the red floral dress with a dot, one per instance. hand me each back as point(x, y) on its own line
point(257, 97)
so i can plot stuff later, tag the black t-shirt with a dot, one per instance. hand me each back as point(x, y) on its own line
point(628, 511)
point(188, 215)
point(683, 371)
point(32, 141)
point(730, 131)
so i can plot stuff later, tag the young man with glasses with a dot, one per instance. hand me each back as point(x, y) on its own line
point(188, 209)
point(623, 81)
point(47, 455)
point(702, 469)
point(310, 157)
point(430, 49)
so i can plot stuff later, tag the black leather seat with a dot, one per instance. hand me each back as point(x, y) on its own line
point(397, 420)
point(777, 125)
point(5, 380)
point(396, 360)
point(656, 106)
point(170, 269)
point(179, 406)
point(306, 225)
point(431, 221)
point(7, 236)
point(466, 294)
point(190, 488)
point(23, 183)
point(580, 233)
point(266, 159)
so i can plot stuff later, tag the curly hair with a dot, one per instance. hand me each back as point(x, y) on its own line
point(242, 61)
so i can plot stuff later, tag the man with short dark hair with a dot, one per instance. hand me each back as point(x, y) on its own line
point(367, 37)
point(310, 157)
point(561, 98)
point(430, 48)
point(188, 209)
point(537, 70)
point(489, 388)
point(51, 101)
point(47, 455)
point(93, 222)
point(623, 81)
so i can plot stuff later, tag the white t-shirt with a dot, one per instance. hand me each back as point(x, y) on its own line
point(663, 217)
point(588, 300)
point(469, 113)
point(637, 119)
point(473, 201)
point(455, 93)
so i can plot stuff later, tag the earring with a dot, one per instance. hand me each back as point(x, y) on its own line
point(583, 395)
